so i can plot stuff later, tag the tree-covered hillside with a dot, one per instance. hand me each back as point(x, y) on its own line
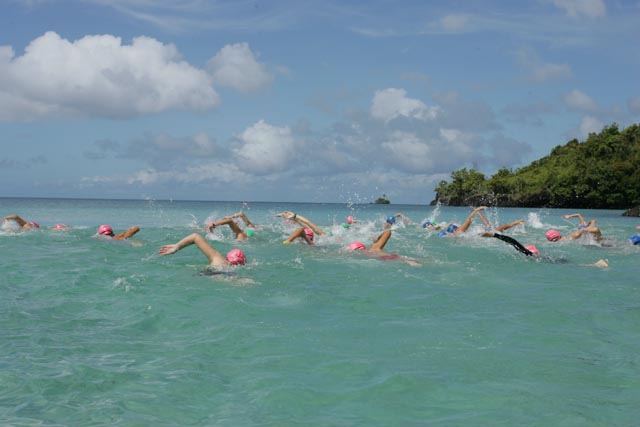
point(602, 172)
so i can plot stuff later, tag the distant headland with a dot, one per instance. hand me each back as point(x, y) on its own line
point(602, 172)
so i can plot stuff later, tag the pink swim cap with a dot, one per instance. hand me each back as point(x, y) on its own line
point(349, 219)
point(105, 230)
point(533, 249)
point(60, 226)
point(553, 235)
point(34, 224)
point(309, 233)
point(357, 246)
point(236, 256)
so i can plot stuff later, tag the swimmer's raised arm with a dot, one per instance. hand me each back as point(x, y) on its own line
point(576, 215)
point(244, 217)
point(240, 235)
point(15, 218)
point(215, 257)
point(126, 234)
point(305, 222)
point(380, 241)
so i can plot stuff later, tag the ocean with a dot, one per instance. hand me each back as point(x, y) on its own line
point(109, 333)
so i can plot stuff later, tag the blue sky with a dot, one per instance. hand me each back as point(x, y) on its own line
point(310, 101)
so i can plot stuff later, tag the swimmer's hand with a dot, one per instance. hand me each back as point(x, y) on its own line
point(168, 249)
point(210, 227)
point(286, 215)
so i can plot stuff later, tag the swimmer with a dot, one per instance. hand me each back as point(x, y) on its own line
point(391, 219)
point(431, 225)
point(350, 220)
point(21, 222)
point(531, 250)
point(583, 222)
point(376, 250)
point(555, 236)
point(503, 227)
point(216, 260)
point(304, 222)
point(455, 230)
point(237, 231)
point(60, 227)
point(107, 231)
point(635, 240)
point(305, 234)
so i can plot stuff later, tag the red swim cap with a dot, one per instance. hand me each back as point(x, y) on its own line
point(236, 257)
point(357, 246)
point(105, 230)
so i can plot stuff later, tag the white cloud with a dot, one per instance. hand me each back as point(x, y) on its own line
point(540, 71)
point(392, 103)
point(580, 101)
point(634, 105)
point(265, 148)
point(580, 8)
point(99, 76)
point(589, 125)
point(410, 152)
point(455, 23)
point(235, 66)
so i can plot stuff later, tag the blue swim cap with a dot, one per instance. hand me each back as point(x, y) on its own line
point(391, 219)
point(442, 233)
point(635, 239)
point(582, 227)
point(452, 228)
point(426, 224)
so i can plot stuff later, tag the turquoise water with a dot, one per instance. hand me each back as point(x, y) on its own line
point(99, 333)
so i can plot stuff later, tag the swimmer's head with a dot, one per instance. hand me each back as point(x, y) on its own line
point(635, 240)
point(391, 219)
point(345, 225)
point(533, 249)
point(33, 224)
point(309, 233)
point(61, 227)
point(452, 228)
point(427, 224)
point(236, 257)
point(553, 235)
point(442, 233)
point(349, 219)
point(357, 246)
point(105, 230)
point(249, 232)
point(581, 227)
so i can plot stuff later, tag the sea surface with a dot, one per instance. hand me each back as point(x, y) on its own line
point(109, 333)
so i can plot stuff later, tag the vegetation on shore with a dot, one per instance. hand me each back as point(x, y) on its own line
point(382, 200)
point(602, 172)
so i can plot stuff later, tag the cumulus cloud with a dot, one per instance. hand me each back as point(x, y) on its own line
point(162, 151)
point(265, 148)
point(409, 152)
point(197, 173)
point(580, 101)
point(589, 125)
point(99, 76)
point(634, 105)
point(539, 71)
point(391, 103)
point(455, 23)
point(235, 66)
point(582, 8)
